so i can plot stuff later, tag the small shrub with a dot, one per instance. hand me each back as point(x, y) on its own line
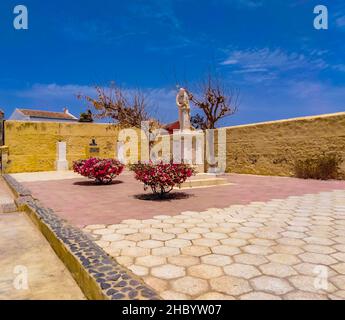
point(322, 167)
point(103, 171)
point(162, 177)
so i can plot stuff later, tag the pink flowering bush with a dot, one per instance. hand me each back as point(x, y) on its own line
point(101, 170)
point(162, 177)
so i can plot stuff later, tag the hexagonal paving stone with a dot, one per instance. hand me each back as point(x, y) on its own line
point(173, 295)
point(215, 235)
point(103, 244)
point(225, 250)
point(216, 260)
point(340, 256)
point(340, 268)
point(174, 230)
point(282, 258)
point(256, 249)
point(291, 242)
point(199, 230)
point(184, 261)
point(301, 295)
point(137, 237)
point(163, 236)
point(150, 261)
point(125, 261)
point(178, 243)
point(293, 235)
point(206, 242)
point(205, 271)
point(230, 285)
point(259, 296)
point(139, 270)
point(305, 283)
point(112, 237)
point(103, 231)
point(135, 252)
point(197, 251)
point(317, 258)
point(122, 244)
point(157, 284)
point(242, 271)
point(277, 270)
point(168, 271)
point(150, 231)
point(165, 251)
point(127, 231)
point(190, 286)
point(294, 250)
point(241, 235)
point(95, 227)
point(234, 242)
point(150, 244)
point(339, 281)
point(214, 296)
point(318, 240)
point(252, 259)
point(318, 249)
point(271, 285)
point(189, 236)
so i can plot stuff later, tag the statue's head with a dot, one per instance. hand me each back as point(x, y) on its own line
point(182, 90)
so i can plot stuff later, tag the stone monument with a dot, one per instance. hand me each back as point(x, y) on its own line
point(188, 144)
point(61, 164)
point(182, 101)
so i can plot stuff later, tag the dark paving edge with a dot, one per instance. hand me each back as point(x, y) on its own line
point(97, 274)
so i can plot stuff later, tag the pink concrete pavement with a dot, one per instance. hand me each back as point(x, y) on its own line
point(83, 203)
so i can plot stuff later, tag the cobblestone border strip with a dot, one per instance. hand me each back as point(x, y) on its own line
point(97, 274)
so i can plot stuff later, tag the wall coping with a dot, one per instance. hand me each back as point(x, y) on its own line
point(321, 116)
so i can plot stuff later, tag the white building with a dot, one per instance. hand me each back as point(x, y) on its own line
point(40, 115)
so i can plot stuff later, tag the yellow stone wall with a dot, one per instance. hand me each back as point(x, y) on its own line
point(271, 148)
point(32, 145)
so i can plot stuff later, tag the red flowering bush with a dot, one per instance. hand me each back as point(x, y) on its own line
point(162, 177)
point(101, 170)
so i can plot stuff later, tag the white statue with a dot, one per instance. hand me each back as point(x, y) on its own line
point(182, 101)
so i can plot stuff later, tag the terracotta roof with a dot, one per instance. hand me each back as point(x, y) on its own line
point(172, 126)
point(46, 114)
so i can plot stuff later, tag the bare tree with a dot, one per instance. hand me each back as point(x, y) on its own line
point(215, 101)
point(126, 109)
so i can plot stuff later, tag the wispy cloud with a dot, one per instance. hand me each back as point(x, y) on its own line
point(340, 22)
point(266, 64)
point(54, 90)
point(265, 59)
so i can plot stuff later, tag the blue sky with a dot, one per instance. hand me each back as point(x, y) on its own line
point(268, 49)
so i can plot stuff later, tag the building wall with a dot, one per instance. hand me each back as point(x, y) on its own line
point(271, 148)
point(32, 145)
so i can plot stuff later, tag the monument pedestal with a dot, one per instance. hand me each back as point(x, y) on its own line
point(188, 148)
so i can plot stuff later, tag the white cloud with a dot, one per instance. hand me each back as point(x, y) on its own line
point(54, 90)
point(340, 22)
point(264, 59)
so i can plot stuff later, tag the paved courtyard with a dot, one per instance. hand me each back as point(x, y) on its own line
point(260, 238)
point(292, 248)
point(82, 203)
